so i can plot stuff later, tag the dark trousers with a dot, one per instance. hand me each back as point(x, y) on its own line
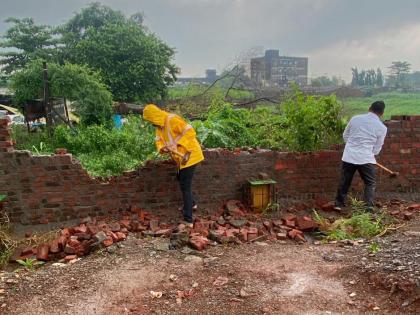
point(367, 173)
point(185, 177)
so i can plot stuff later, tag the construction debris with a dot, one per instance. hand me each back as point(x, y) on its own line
point(233, 224)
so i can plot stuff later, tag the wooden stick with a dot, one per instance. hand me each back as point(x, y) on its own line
point(386, 169)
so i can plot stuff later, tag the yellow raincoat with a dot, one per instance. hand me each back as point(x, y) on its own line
point(175, 134)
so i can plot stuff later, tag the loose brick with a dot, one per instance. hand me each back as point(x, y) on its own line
point(42, 252)
point(306, 224)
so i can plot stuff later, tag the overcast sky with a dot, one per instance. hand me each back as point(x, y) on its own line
point(335, 34)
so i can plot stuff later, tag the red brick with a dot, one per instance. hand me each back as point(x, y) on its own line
point(55, 247)
point(329, 206)
point(306, 224)
point(62, 241)
point(108, 242)
point(162, 232)
point(414, 206)
point(80, 229)
point(154, 225)
point(296, 234)
point(70, 257)
point(252, 236)
point(121, 236)
point(199, 242)
point(42, 252)
point(243, 235)
point(27, 251)
point(125, 223)
point(115, 227)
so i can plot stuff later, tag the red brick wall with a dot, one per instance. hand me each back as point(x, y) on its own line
point(57, 188)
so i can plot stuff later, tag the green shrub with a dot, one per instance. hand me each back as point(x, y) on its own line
point(311, 123)
point(103, 151)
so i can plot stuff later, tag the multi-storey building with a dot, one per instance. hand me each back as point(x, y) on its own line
point(274, 70)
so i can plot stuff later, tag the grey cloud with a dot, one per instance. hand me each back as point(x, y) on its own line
point(210, 33)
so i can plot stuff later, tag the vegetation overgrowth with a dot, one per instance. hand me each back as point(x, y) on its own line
point(361, 224)
point(302, 123)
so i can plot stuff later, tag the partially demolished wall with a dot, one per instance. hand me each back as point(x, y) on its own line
point(57, 188)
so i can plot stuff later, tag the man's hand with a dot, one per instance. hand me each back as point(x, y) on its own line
point(164, 150)
point(186, 158)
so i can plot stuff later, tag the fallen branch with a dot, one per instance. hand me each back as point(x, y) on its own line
point(390, 228)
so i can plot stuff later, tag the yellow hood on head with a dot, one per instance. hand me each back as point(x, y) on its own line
point(155, 115)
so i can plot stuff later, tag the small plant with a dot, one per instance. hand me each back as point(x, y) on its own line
point(360, 224)
point(7, 244)
point(374, 248)
point(40, 149)
point(29, 263)
point(271, 207)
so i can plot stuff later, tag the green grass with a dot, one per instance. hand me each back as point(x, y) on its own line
point(396, 104)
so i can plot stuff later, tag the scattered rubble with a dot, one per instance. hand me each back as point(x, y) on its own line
point(234, 224)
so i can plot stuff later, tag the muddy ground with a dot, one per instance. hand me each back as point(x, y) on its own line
point(271, 277)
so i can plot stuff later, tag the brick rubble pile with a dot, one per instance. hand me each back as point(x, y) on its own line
point(232, 225)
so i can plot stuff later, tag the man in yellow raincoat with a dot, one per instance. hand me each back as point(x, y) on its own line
point(176, 137)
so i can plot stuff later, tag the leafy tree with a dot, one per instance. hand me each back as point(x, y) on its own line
point(368, 77)
point(27, 41)
point(355, 76)
point(93, 101)
point(398, 74)
point(134, 63)
point(379, 78)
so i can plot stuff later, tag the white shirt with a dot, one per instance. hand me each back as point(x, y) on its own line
point(364, 137)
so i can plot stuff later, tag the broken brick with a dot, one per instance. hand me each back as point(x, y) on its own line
point(70, 257)
point(252, 236)
point(70, 250)
point(281, 236)
point(137, 227)
point(83, 236)
point(306, 224)
point(92, 229)
point(296, 234)
point(55, 247)
point(115, 227)
point(73, 242)
point(329, 206)
point(27, 251)
point(80, 229)
point(199, 242)
point(154, 225)
point(415, 206)
point(125, 223)
point(62, 241)
point(121, 236)
point(108, 241)
point(66, 232)
point(162, 232)
point(289, 220)
point(42, 252)
point(243, 235)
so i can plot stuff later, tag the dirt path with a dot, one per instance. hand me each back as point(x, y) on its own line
point(261, 278)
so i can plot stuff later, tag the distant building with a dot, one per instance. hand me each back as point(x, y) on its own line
point(274, 70)
point(211, 76)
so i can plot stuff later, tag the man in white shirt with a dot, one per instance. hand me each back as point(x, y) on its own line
point(364, 137)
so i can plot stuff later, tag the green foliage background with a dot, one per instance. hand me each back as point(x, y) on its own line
point(93, 101)
point(300, 124)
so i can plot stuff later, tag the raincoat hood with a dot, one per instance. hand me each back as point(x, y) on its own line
point(155, 115)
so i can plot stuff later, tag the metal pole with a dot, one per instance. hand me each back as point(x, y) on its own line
point(47, 103)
